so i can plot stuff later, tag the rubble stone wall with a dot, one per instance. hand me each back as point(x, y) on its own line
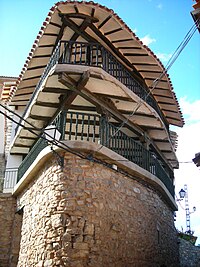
point(90, 215)
point(10, 229)
point(189, 254)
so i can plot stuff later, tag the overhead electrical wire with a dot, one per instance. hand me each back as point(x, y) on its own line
point(171, 61)
point(61, 144)
point(154, 84)
point(58, 143)
point(41, 135)
point(68, 149)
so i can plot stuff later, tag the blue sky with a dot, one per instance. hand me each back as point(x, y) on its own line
point(161, 24)
point(165, 22)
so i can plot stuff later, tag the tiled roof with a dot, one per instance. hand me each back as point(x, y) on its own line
point(120, 36)
point(7, 87)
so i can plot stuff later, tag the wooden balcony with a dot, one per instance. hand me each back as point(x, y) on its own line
point(95, 55)
point(109, 87)
point(96, 129)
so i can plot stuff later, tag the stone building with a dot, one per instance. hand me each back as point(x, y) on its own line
point(93, 150)
point(6, 88)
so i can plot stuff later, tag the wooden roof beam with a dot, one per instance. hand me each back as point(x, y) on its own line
point(110, 44)
point(68, 22)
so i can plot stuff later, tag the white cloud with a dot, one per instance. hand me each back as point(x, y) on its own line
point(190, 110)
point(159, 6)
point(163, 56)
point(147, 40)
point(188, 173)
point(135, 30)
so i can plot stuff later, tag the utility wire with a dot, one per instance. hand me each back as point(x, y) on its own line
point(171, 61)
point(57, 143)
point(41, 135)
point(186, 162)
point(154, 84)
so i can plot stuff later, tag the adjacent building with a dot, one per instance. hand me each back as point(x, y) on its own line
point(92, 155)
point(7, 86)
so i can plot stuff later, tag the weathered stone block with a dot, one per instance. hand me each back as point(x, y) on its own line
point(48, 263)
point(89, 229)
point(94, 217)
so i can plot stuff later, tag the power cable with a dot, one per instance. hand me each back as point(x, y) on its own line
point(171, 61)
point(53, 142)
point(186, 162)
point(155, 82)
point(58, 142)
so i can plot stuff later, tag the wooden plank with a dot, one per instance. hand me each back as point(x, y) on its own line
point(147, 121)
point(158, 134)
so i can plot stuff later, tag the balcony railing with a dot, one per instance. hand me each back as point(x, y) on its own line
point(94, 128)
point(10, 178)
point(30, 158)
point(93, 54)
